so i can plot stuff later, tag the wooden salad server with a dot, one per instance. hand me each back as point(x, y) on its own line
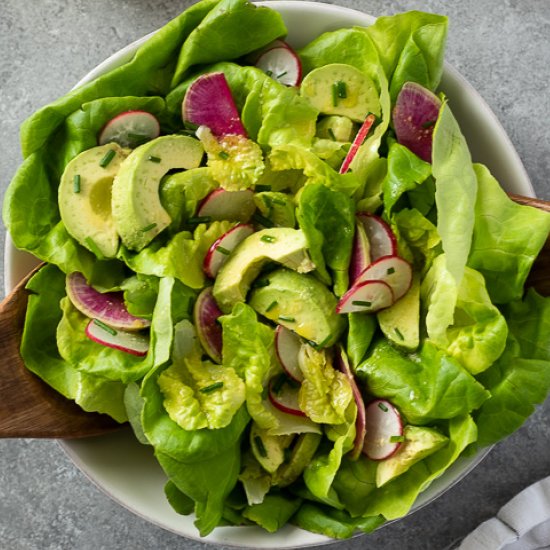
point(30, 408)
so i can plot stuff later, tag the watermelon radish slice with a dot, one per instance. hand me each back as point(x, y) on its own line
point(221, 248)
point(287, 347)
point(108, 307)
point(130, 129)
point(366, 297)
point(282, 64)
point(381, 238)
point(357, 142)
point(393, 270)
point(384, 430)
point(360, 421)
point(209, 331)
point(360, 255)
point(129, 342)
point(414, 117)
point(283, 395)
point(235, 206)
point(208, 101)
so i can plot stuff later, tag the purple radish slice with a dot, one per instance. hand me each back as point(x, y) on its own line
point(384, 430)
point(130, 129)
point(287, 347)
point(357, 142)
point(221, 248)
point(209, 331)
point(235, 206)
point(107, 307)
point(208, 101)
point(381, 238)
point(129, 342)
point(282, 64)
point(366, 297)
point(414, 117)
point(284, 395)
point(360, 421)
point(360, 255)
point(393, 270)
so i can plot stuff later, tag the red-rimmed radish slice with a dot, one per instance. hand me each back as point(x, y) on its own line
point(360, 421)
point(108, 307)
point(223, 246)
point(235, 206)
point(283, 394)
point(277, 43)
point(381, 238)
point(384, 430)
point(357, 142)
point(360, 255)
point(129, 342)
point(130, 129)
point(208, 101)
point(366, 297)
point(393, 270)
point(209, 331)
point(414, 117)
point(287, 347)
point(281, 64)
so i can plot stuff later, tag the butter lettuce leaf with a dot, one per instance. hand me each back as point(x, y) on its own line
point(274, 511)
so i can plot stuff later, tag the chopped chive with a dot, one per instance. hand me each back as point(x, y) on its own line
point(148, 227)
point(267, 201)
point(260, 188)
point(280, 202)
point(331, 134)
point(260, 283)
point(334, 94)
point(138, 137)
point(76, 183)
point(223, 155)
point(382, 407)
point(107, 158)
point(105, 327)
point(429, 123)
point(271, 306)
point(287, 318)
point(223, 250)
point(361, 303)
point(260, 446)
point(198, 219)
point(154, 159)
point(390, 271)
point(93, 247)
point(268, 238)
point(324, 342)
point(262, 220)
point(399, 334)
point(212, 387)
point(282, 74)
point(313, 344)
point(397, 438)
point(342, 89)
point(269, 73)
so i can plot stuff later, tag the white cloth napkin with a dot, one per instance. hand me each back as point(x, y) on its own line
point(521, 524)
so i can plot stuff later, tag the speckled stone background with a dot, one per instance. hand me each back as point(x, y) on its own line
point(501, 46)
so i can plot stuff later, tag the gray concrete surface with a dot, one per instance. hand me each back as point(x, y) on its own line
point(501, 46)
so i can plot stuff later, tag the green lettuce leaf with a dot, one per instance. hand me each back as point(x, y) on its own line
point(274, 512)
point(362, 328)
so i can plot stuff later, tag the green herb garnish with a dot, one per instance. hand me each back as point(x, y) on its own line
point(213, 387)
point(76, 183)
point(260, 446)
point(282, 74)
point(262, 220)
point(148, 227)
point(268, 238)
point(223, 250)
point(361, 303)
point(199, 219)
point(397, 439)
point(154, 159)
point(399, 334)
point(287, 318)
point(223, 155)
point(429, 123)
point(105, 327)
point(382, 407)
point(271, 306)
point(107, 158)
point(390, 270)
point(342, 89)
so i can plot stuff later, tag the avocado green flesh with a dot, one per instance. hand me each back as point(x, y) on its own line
point(338, 128)
point(269, 450)
point(282, 245)
point(300, 303)
point(85, 198)
point(302, 454)
point(137, 210)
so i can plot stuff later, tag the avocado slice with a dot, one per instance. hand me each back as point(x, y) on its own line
point(419, 443)
point(400, 322)
point(85, 198)
point(269, 450)
point(300, 303)
point(302, 454)
point(137, 210)
point(279, 244)
point(337, 128)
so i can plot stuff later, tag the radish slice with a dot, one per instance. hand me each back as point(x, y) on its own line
point(360, 256)
point(393, 270)
point(221, 248)
point(208, 101)
point(287, 347)
point(384, 425)
point(108, 307)
point(130, 129)
point(209, 331)
point(283, 394)
point(235, 206)
point(360, 422)
point(414, 117)
point(282, 64)
point(129, 342)
point(366, 297)
point(381, 238)
point(357, 142)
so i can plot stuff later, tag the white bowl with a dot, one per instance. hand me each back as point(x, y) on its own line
point(126, 470)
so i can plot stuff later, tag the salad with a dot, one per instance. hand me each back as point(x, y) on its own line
point(281, 267)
